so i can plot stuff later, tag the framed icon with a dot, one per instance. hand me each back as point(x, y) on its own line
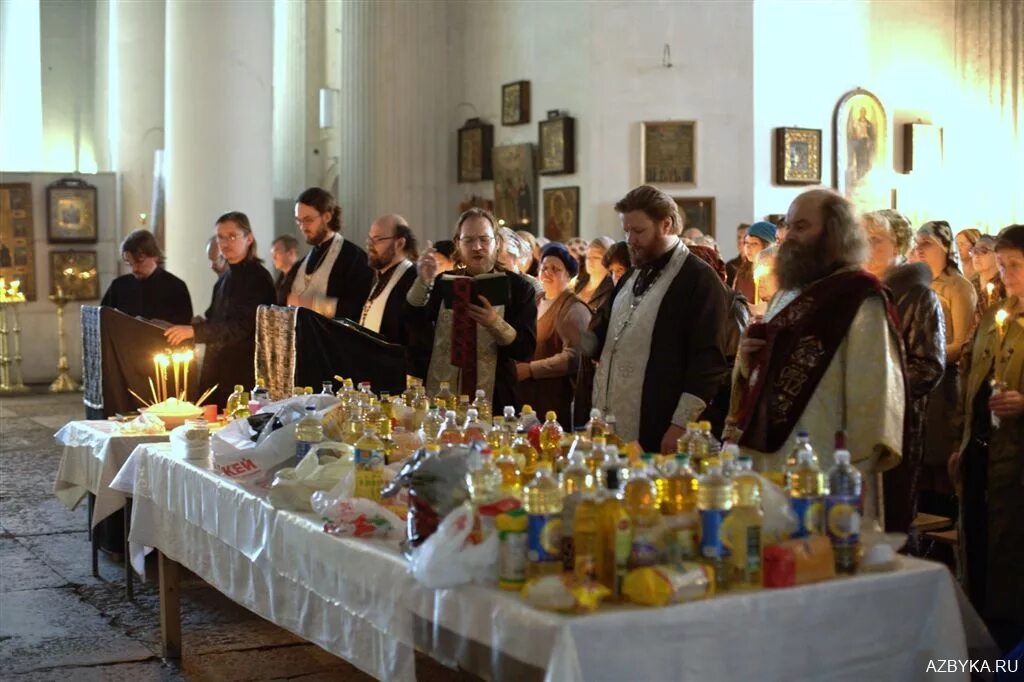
point(561, 213)
point(476, 139)
point(797, 156)
point(557, 145)
point(698, 212)
point(515, 103)
point(71, 212)
point(74, 272)
point(669, 152)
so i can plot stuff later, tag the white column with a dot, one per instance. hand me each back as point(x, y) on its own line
point(219, 105)
point(21, 87)
point(135, 103)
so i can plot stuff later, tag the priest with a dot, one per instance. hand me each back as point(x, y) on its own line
point(391, 250)
point(334, 278)
point(828, 356)
point(661, 335)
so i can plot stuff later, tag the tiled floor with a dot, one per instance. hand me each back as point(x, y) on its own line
point(59, 622)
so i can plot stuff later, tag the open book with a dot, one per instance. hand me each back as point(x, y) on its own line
point(491, 285)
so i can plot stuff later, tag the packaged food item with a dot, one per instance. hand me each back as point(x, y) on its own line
point(779, 566)
point(511, 527)
point(661, 585)
point(564, 593)
point(812, 558)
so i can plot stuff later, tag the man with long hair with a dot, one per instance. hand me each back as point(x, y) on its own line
point(827, 357)
point(149, 291)
point(474, 343)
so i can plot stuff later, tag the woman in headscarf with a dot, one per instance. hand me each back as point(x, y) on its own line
point(988, 285)
point(936, 249)
point(549, 380)
point(759, 237)
point(594, 285)
point(988, 462)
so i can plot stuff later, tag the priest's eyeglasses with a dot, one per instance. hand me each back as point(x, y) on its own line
point(373, 241)
point(484, 240)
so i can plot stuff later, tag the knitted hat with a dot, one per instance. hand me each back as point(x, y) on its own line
point(764, 230)
point(560, 252)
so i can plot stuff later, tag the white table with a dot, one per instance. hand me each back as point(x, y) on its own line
point(93, 454)
point(356, 599)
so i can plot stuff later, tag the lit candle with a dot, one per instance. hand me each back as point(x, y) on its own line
point(164, 363)
point(759, 272)
point(156, 377)
point(188, 361)
point(176, 360)
point(1001, 316)
point(990, 288)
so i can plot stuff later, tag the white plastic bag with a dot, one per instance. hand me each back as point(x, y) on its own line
point(779, 520)
point(293, 486)
point(445, 560)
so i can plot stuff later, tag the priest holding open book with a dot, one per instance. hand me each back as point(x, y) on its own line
point(481, 318)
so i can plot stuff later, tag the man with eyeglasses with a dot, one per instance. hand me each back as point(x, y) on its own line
point(472, 344)
point(149, 291)
point(334, 278)
point(391, 250)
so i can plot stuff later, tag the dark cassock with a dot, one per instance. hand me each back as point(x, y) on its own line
point(161, 296)
point(480, 357)
point(660, 346)
point(382, 311)
point(229, 330)
point(336, 275)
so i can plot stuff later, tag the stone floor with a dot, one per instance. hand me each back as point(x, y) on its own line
point(58, 621)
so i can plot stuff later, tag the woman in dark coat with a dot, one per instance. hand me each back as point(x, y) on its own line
point(229, 328)
point(594, 285)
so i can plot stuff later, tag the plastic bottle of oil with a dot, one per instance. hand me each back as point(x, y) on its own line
point(542, 501)
point(450, 433)
point(369, 469)
point(576, 477)
point(616, 533)
point(233, 399)
point(806, 486)
point(496, 436)
point(728, 456)
point(611, 434)
point(595, 458)
point(511, 476)
point(444, 398)
point(473, 431)
point(242, 409)
point(641, 501)
point(714, 501)
point(596, 427)
point(842, 510)
point(483, 406)
point(525, 455)
point(742, 528)
point(587, 549)
point(679, 511)
point(484, 481)
point(527, 418)
point(462, 407)
point(550, 438)
point(698, 448)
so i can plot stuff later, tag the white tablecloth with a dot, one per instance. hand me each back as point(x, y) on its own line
point(356, 599)
point(92, 456)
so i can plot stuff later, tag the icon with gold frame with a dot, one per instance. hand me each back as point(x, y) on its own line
point(797, 156)
point(71, 212)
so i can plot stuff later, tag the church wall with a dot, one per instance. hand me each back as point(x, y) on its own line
point(602, 63)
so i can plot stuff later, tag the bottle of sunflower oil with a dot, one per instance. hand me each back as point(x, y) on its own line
point(588, 553)
point(641, 501)
point(742, 528)
point(616, 532)
point(595, 458)
point(450, 433)
point(525, 455)
point(714, 501)
point(679, 512)
point(550, 438)
point(698, 448)
point(483, 406)
point(805, 483)
point(473, 431)
point(462, 407)
point(496, 436)
point(542, 501)
point(511, 476)
point(369, 465)
point(444, 398)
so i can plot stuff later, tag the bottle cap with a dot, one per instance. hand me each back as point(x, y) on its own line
point(480, 393)
point(683, 458)
point(310, 408)
point(803, 434)
point(842, 457)
point(705, 425)
point(527, 408)
point(595, 413)
point(551, 416)
point(733, 449)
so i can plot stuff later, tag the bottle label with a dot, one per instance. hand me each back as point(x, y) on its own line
point(368, 483)
point(544, 537)
point(808, 515)
point(643, 549)
point(368, 457)
point(843, 515)
point(302, 447)
point(753, 565)
point(511, 557)
point(711, 545)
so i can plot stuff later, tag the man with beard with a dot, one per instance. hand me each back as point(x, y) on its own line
point(391, 249)
point(828, 356)
point(334, 278)
point(149, 291)
point(470, 343)
point(661, 335)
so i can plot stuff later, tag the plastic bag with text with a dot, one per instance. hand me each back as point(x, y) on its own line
point(447, 560)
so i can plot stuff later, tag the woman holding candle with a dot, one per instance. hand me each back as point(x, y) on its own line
point(936, 248)
point(229, 328)
point(759, 237)
point(965, 241)
point(988, 285)
point(989, 463)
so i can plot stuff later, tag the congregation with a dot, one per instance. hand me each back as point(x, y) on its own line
point(911, 342)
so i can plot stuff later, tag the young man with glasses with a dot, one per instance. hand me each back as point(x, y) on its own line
point(391, 251)
point(334, 278)
point(472, 344)
point(149, 291)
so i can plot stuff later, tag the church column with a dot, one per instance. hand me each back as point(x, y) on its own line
point(218, 115)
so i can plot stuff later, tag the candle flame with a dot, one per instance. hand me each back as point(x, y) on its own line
point(990, 287)
point(761, 270)
point(1001, 316)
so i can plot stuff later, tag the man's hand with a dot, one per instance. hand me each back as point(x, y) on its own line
point(523, 371)
point(1007, 404)
point(179, 333)
point(671, 437)
point(426, 266)
point(483, 314)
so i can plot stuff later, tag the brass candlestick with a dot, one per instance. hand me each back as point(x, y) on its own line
point(5, 360)
point(63, 383)
point(10, 382)
point(19, 381)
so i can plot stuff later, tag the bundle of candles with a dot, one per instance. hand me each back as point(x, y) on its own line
point(760, 271)
point(12, 293)
point(168, 366)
